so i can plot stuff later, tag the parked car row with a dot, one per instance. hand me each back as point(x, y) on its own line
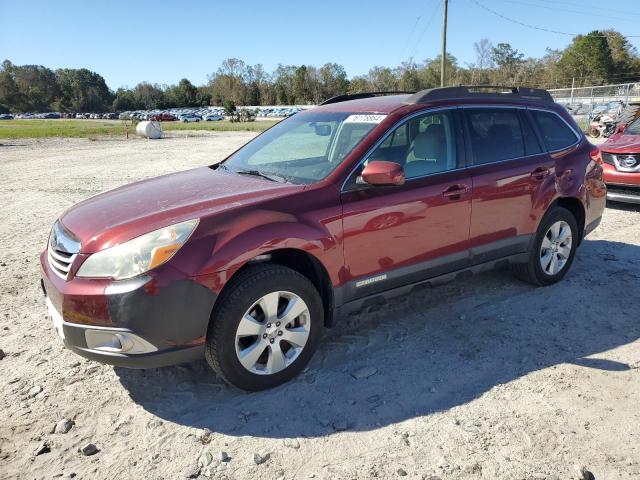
point(183, 114)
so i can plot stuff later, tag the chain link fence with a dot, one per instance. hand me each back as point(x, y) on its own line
point(585, 102)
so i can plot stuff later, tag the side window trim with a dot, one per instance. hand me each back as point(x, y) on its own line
point(459, 162)
point(527, 121)
point(544, 143)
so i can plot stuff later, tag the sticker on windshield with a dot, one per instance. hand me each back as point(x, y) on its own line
point(365, 118)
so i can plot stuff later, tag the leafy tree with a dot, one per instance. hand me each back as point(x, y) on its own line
point(229, 107)
point(588, 59)
point(10, 94)
point(333, 80)
point(430, 72)
point(203, 97)
point(301, 90)
point(82, 90)
point(184, 94)
point(148, 96)
point(409, 77)
point(359, 84)
point(382, 79)
point(505, 56)
point(624, 57)
point(124, 101)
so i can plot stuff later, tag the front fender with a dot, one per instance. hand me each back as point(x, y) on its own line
point(259, 232)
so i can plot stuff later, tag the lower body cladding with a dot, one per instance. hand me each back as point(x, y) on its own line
point(137, 323)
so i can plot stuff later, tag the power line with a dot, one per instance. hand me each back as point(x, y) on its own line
point(406, 43)
point(590, 6)
point(578, 12)
point(426, 26)
point(534, 27)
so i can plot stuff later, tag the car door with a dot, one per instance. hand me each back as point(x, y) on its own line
point(402, 234)
point(509, 169)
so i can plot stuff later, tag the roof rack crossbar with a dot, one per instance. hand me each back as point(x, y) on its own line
point(355, 96)
point(476, 91)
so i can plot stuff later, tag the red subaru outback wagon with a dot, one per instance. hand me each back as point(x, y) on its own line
point(333, 210)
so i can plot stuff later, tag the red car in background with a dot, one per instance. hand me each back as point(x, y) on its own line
point(163, 117)
point(621, 163)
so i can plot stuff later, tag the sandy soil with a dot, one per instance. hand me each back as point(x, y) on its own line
point(483, 378)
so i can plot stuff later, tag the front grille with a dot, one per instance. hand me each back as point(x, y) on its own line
point(608, 158)
point(60, 262)
point(623, 162)
point(62, 250)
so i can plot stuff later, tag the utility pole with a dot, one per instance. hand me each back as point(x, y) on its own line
point(443, 60)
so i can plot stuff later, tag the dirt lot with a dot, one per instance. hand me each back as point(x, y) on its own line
point(483, 378)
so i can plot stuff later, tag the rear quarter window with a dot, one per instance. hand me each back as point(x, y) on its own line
point(556, 133)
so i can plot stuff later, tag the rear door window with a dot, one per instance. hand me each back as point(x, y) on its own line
point(555, 131)
point(496, 134)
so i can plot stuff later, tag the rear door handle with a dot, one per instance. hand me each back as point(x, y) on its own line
point(454, 192)
point(540, 172)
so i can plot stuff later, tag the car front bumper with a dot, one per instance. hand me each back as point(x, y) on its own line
point(622, 186)
point(146, 322)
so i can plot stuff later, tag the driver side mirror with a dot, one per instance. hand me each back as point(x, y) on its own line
point(383, 173)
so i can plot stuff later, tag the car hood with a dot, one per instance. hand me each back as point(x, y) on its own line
point(127, 212)
point(622, 143)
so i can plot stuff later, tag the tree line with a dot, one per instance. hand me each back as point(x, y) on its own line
point(598, 58)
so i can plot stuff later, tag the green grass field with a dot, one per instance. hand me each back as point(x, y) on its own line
point(12, 129)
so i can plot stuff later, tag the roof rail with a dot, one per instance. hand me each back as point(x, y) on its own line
point(478, 91)
point(355, 96)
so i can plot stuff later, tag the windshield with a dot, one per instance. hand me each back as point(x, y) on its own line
point(633, 128)
point(304, 148)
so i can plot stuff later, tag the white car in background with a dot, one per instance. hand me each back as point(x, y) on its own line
point(188, 117)
point(212, 117)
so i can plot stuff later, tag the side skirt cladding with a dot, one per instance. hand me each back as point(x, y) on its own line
point(370, 293)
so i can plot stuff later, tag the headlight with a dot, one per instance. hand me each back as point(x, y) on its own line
point(138, 255)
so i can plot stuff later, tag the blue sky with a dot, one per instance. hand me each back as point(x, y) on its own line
point(161, 42)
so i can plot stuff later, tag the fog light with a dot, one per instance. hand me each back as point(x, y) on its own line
point(103, 340)
point(111, 341)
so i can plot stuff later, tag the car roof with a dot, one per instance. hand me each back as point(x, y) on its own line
point(378, 102)
point(382, 104)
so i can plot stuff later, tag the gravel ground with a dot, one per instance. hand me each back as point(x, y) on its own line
point(482, 378)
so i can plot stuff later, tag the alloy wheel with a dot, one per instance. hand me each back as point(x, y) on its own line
point(272, 333)
point(556, 248)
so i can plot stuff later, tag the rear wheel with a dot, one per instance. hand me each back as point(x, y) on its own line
point(265, 327)
point(553, 250)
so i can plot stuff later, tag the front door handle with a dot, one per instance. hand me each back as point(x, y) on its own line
point(454, 192)
point(540, 172)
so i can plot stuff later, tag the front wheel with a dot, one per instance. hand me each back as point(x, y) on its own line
point(265, 327)
point(554, 248)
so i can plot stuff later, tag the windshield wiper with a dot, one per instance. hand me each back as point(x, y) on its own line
point(258, 173)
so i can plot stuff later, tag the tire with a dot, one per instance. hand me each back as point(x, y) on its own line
point(243, 298)
point(533, 271)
